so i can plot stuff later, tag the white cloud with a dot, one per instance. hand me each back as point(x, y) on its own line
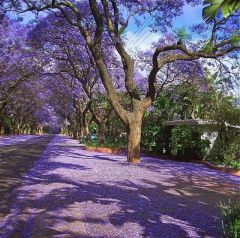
point(141, 42)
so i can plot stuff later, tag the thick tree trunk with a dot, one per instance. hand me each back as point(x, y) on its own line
point(101, 132)
point(134, 138)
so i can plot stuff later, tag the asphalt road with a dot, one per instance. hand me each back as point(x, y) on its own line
point(15, 162)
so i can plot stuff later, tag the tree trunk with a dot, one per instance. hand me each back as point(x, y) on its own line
point(85, 129)
point(1, 128)
point(75, 136)
point(101, 132)
point(134, 138)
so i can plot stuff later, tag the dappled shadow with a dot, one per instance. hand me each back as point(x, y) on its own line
point(154, 211)
point(75, 193)
point(15, 162)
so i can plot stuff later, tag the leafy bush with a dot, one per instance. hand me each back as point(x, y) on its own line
point(227, 150)
point(187, 142)
point(155, 139)
point(231, 154)
point(155, 136)
point(231, 219)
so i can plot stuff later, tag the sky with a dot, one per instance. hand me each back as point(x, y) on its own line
point(141, 37)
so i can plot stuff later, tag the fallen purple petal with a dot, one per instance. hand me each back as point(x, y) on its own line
point(72, 192)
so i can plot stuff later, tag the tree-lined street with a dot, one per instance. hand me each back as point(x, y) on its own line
point(119, 118)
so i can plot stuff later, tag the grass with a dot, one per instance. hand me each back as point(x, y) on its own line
point(231, 219)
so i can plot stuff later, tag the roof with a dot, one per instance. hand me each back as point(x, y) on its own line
point(190, 122)
point(197, 122)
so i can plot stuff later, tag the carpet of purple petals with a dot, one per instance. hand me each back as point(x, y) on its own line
point(11, 140)
point(72, 192)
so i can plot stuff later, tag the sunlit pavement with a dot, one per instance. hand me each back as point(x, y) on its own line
point(71, 192)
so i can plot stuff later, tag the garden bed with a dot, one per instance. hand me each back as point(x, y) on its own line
point(232, 171)
point(228, 170)
point(108, 150)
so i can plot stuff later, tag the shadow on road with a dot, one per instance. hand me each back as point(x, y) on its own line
point(15, 161)
point(70, 198)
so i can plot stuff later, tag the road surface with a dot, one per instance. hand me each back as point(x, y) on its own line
point(71, 192)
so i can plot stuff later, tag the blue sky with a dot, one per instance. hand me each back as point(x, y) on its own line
point(142, 38)
point(192, 15)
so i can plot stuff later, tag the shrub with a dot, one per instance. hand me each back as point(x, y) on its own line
point(227, 150)
point(107, 143)
point(154, 138)
point(187, 142)
point(231, 155)
point(230, 219)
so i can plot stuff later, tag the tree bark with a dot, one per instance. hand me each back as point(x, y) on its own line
point(134, 137)
point(101, 132)
point(85, 129)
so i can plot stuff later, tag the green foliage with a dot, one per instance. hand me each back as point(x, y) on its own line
point(92, 127)
point(189, 100)
point(154, 135)
point(107, 143)
point(208, 47)
point(122, 30)
point(187, 142)
point(115, 129)
point(231, 219)
point(230, 154)
point(235, 40)
point(150, 135)
point(227, 150)
point(212, 7)
point(182, 34)
point(155, 138)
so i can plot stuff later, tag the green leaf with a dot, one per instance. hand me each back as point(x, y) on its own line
point(226, 10)
point(212, 7)
point(210, 12)
point(235, 40)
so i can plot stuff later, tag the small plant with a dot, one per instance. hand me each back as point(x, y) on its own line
point(227, 153)
point(230, 219)
point(230, 154)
